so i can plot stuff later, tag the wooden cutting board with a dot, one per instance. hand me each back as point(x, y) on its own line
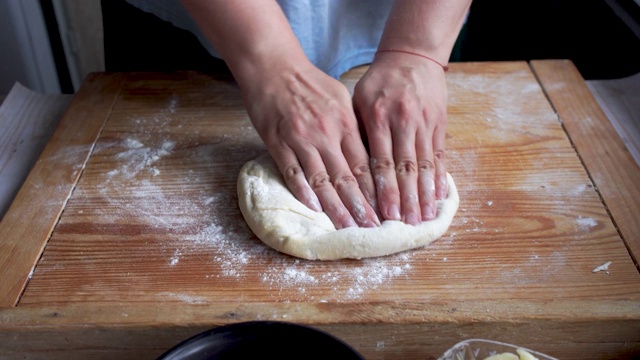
point(127, 239)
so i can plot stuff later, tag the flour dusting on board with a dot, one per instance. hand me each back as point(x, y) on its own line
point(347, 282)
point(139, 157)
point(237, 253)
point(586, 223)
point(207, 222)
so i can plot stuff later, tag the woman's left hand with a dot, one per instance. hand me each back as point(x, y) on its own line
point(402, 102)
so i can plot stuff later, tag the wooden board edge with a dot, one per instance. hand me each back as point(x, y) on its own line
point(29, 221)
point(608, 162)
point(178, 313)
point(132, 331)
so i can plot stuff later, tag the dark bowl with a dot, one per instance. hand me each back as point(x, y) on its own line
point(262, 339)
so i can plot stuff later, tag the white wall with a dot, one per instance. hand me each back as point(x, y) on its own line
point(81, 32)
point(25, 52)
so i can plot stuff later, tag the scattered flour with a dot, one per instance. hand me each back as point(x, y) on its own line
point(585, 224)
point(139, 158)
point(175, 258)
point(131, 143)
point(190, 299)
point(173, 104)
point(478, 225)
point(347, 282)
point(238, 254)
point(202, 223)
point(604, 267)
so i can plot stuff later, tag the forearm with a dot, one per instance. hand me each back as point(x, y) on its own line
point(252, 36)
point(430, 27)
point(304, 116)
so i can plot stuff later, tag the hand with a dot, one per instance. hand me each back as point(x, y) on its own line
point(307, 122)
point(402, 102)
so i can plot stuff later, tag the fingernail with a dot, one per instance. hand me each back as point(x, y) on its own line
point(393, 212)
point(442, 188)
point(349, 223)
point(315, 203)
point(372, 221)
point(371, 224)
point(428, 213)
point(412, 219)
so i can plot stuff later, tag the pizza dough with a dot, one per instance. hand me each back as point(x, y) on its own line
point(285, 224)
point(522, 355)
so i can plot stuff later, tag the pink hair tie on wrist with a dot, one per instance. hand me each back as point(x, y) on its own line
point(444, 67)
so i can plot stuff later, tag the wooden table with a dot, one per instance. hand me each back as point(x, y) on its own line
point(126, 237)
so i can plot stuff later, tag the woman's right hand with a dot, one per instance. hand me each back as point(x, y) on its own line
point(307, 122)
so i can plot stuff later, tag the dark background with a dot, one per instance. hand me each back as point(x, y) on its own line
point(588, 32)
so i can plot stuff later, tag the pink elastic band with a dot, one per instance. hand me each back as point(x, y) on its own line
point(444, 67)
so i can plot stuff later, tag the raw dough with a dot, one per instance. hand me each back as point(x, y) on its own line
point(522, 355)
point(287, 225)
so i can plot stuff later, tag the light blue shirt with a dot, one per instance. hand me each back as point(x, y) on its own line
point(336, 35)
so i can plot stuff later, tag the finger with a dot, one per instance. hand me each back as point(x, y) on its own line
point(407, 174)
point(348, 190)
point(320, 182)
point(426, 175)
point(384, 173)
point(358, 160)
point(439, 136)
point(294, 177)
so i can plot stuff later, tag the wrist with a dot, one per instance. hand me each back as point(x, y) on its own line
point(268, 65)
point(409, 64)
point(432, 59)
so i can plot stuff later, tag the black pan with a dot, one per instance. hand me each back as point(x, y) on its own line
point(262, 339)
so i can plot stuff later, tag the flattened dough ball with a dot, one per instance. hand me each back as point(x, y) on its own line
point(285, 224)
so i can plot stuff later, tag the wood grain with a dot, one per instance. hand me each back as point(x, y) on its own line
point(145, 332)
point(154, 216)
point(152, 244)
point(609, 163)
point(26, 226)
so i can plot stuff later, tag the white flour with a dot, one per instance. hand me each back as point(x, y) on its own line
point(132, 189)
point(585, 224)
point(139, 158)
point(238, 255)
